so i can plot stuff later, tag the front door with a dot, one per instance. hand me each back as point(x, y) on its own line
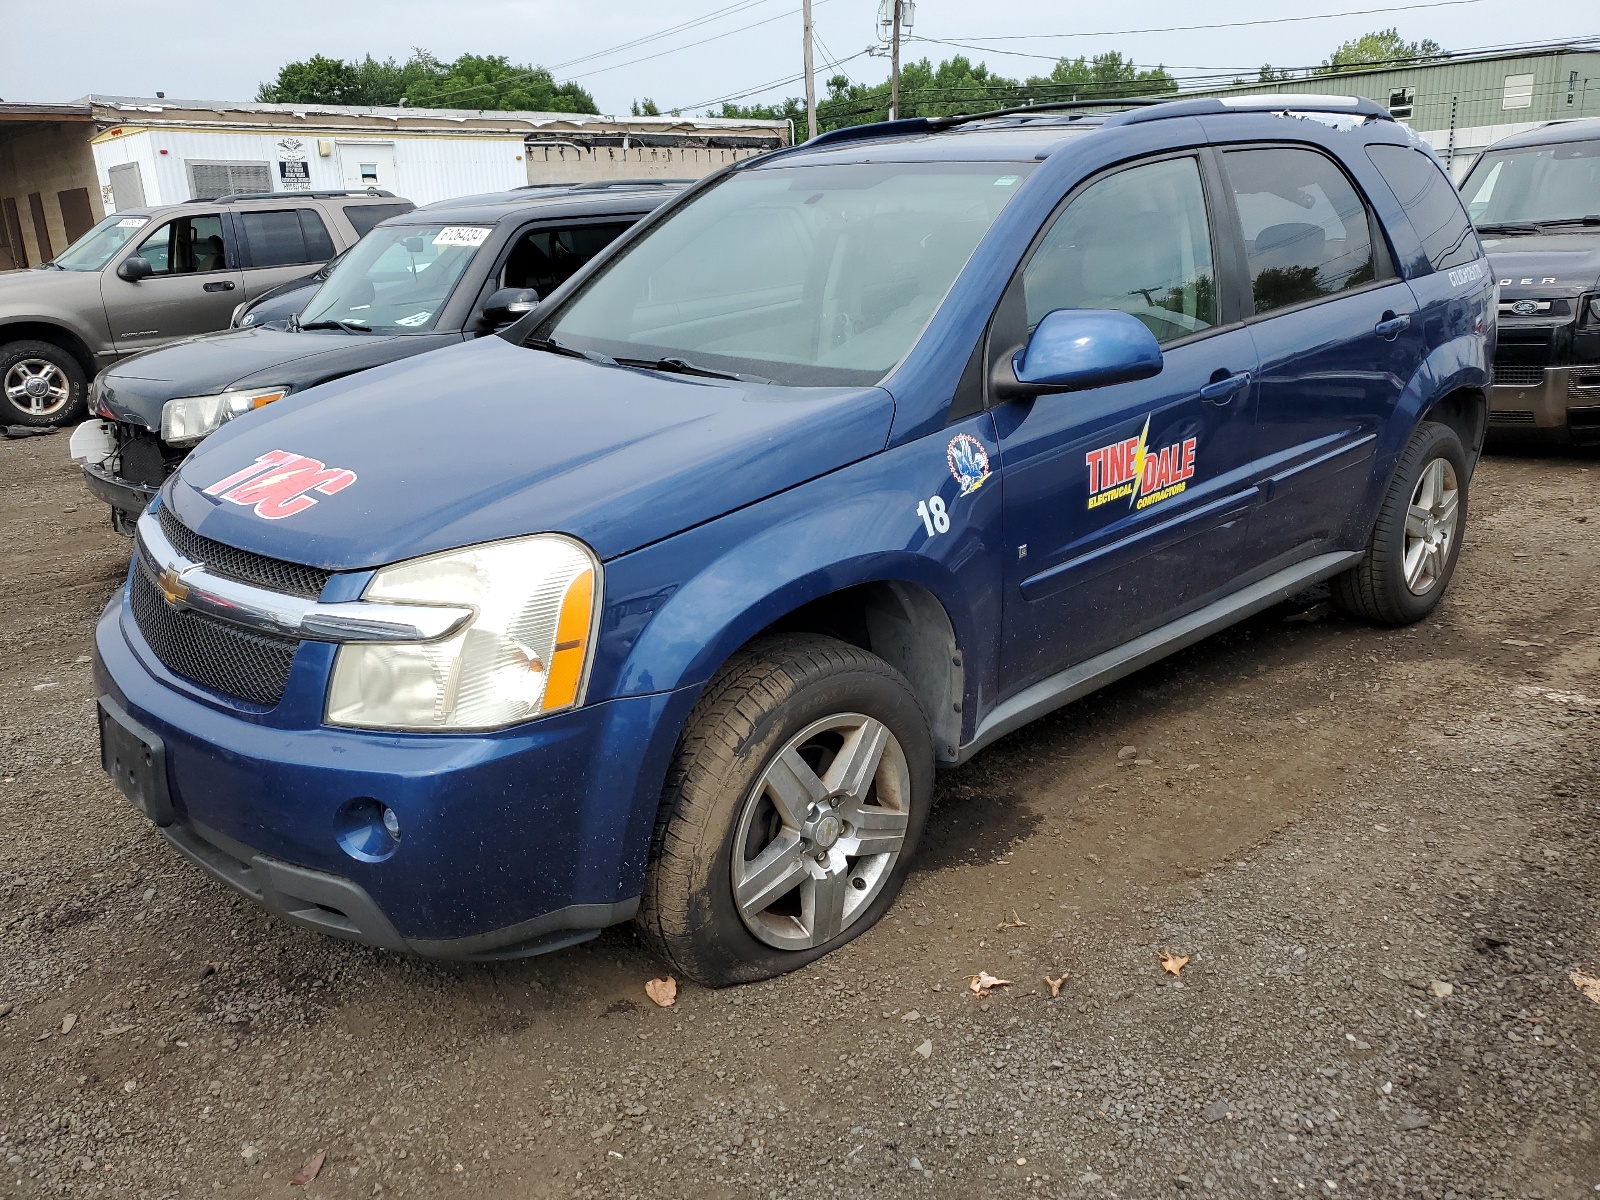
point(1124, 505)
point(193, 288)
point(1336, 333)
point(367, 165)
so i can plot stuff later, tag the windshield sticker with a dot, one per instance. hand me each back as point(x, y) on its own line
point(1128, 468)
point(1005, 181)
point(278, 484)
point(132, 222)
point(420, 318)
point(968, 462)
point(461, 235)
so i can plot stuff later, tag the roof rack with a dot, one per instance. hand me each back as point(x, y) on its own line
point(1139, 109)
point(234, 197)
point(600, 185)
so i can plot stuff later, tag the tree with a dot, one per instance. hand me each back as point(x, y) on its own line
point(1384, 46)
point(1270, 74)
point(1105, 76)
point(647, 109)
point(471, 81)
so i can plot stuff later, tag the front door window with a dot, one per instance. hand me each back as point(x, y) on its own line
point(186, 246)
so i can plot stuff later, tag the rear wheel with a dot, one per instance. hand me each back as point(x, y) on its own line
point(40, 384)
point(791, 812)
point(1416, 540)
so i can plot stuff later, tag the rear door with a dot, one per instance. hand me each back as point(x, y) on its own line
point(278, 245)
point(194, 285)
point(1336, 332)
point(1124, 505)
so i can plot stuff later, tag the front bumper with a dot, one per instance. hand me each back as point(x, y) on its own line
point(513, 842)
point(125, 497)
point(1561, 398)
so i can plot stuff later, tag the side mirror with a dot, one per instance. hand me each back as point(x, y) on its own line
point(1073, 349)
point(507, 304)
point(134, 268)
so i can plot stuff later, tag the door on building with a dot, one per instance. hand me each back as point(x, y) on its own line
point(41, 227)
point(194, 284)
point(77, 215)
point(367, 165)
point(8, 214)
point(127, 187)
point(1130, 500)
point(280, 245)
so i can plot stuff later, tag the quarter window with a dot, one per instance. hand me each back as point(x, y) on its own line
point(1431, 204)
point(187, 246)
point(1138, 242)
point(1306, 231)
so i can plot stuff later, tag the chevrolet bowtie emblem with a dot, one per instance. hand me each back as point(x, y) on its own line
point(173, 589)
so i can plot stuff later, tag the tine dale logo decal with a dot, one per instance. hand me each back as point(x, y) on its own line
point(279, 484)
point(1129, 468)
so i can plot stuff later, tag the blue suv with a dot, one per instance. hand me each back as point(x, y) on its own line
point(666, 603)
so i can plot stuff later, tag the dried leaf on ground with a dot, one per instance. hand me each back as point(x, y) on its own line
point(980, 984)
point(1016, 922)
point(1173, 964)
point(1055, 985)
point(662, 992)
point(311, 1170)
point(1588, 985)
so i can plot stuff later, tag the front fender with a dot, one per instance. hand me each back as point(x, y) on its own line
point(677, 610)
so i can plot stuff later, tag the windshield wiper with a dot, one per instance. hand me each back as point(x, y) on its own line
point(1508, 227)
point(1591, 219)
point(347, 326)
point(679, 366)
point(551, 346)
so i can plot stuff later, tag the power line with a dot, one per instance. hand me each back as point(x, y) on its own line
point(690, 45)
point(661, 33)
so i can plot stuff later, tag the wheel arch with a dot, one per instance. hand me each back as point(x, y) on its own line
point(1466, 411)
point(56, 335)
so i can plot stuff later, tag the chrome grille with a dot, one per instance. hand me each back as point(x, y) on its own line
point(271, 573)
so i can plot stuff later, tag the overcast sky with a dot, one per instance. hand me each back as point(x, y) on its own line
point(67, 48)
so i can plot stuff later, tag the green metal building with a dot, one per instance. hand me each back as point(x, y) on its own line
point(1463, 103)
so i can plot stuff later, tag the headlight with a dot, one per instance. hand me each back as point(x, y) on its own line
point(524, 654)
point(188, 419)
point(1594, 310)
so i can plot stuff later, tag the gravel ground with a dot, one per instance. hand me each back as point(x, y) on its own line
point(1377, 850)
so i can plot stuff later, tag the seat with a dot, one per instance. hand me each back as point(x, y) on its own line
point(1291, 244)
point(209, 254)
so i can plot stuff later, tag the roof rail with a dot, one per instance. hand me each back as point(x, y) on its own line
point(234, 197)
point(1271, 102)
point(600, 185)
point(876, 129)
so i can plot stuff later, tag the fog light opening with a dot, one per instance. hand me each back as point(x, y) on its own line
point(368, 829)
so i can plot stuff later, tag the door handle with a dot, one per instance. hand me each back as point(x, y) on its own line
point(1391, 326)
point(221, 285)
point(1224, 390)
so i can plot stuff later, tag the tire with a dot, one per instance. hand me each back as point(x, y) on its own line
point(790, 698)
point(1416, 540)
point(40, 384)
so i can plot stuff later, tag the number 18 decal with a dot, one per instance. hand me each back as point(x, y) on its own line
point(934, 517)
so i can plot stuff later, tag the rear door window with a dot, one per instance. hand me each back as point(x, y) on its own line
point(364, 216)
point(285, 238)
point(1430, 202)
point(1306, 230)
point(544, 259)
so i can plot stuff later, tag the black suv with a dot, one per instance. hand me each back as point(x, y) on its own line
point(435, 276)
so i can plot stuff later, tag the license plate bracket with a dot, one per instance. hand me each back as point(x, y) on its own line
point(136, 759)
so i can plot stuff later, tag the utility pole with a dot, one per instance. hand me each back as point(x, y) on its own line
point(894, 65)
point(811, 81)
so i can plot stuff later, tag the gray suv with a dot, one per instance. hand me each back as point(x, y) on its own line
point(145, 277)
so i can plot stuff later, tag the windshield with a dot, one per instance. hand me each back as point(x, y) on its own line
point(804, 275)
point(397, 278)
point(97, 247)
point(1539, 183)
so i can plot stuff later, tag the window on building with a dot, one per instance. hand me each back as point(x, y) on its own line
point(1305, 228)
point(1518, 92)
point(1400, 103)
point(186, 246)
point(1137, 242)
point(286, 238)
point(208, 180)
point(1430, 202)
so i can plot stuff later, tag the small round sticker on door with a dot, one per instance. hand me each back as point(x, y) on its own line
point(969, 462)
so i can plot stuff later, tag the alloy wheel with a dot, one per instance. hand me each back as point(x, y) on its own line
point(1431, 526)
point(37, 387)
point(819, 834)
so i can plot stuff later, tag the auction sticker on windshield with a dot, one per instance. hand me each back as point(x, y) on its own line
point(461, 235)
point(132, 222)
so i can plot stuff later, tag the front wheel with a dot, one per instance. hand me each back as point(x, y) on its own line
point(791, 812)
point(40, 384)
point(1416, 540)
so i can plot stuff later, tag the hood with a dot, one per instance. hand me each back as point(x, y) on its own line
point(1545, 265)
point(489, 440)
point(136, 388)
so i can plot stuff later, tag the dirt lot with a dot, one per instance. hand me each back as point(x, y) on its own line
point(1379, 850)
